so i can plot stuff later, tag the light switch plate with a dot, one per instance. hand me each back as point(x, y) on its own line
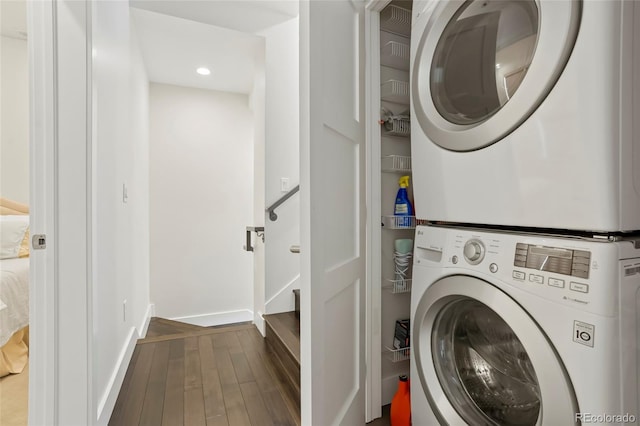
point(284, 184)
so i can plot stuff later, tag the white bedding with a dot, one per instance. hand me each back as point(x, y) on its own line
point(14, 296)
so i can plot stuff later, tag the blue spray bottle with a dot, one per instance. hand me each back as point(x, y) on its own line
point(403, 206)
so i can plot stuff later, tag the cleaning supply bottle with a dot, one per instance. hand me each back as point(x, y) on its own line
point(403, 206)
point(401, 404)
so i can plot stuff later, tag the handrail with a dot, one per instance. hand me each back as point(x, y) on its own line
point(272, 214)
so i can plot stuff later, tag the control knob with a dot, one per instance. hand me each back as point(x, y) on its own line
point(473, 251)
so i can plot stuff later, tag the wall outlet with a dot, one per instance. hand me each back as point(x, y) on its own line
point(284, 184)
point(124, 310)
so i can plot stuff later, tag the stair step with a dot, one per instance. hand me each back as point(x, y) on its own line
point(283, 336)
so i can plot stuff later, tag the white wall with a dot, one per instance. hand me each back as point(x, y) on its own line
point(14, 120)
point(120, 229)
point(281, 160)
point(201, 189)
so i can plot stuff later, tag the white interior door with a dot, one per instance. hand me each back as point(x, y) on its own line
point(332, 186)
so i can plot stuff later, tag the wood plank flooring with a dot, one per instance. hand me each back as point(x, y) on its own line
point(204, 376)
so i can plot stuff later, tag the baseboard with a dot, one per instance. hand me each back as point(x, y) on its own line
point(283, 300)
point(151, 312)
point(258, 321)
point(108, 400)
point(217, 318)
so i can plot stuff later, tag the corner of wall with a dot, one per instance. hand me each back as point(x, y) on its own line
point(258, 321)
point(151, 312)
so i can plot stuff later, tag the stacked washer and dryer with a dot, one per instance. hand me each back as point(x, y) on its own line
point(526, 164)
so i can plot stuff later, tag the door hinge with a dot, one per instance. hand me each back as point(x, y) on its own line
point(39, 241)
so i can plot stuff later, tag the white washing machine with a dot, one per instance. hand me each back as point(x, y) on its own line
point(523, 329)
point(527, 113)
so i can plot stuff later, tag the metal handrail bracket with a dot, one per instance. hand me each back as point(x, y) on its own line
point(271, 210)
point(259, 230)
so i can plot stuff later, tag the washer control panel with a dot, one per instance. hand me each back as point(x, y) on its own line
point(553, 259)
point(570, 271)
point(473, 251)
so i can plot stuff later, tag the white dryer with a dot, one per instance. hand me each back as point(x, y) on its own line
point(523, 329)
point(527, 113)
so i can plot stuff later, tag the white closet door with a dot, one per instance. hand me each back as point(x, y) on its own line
point(333, 212)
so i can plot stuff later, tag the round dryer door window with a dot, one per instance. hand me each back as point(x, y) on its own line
point(482, 360)
point(482, 67)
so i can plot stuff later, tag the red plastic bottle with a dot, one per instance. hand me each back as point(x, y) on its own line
point(401, 404)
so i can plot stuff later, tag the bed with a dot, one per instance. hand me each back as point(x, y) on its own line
point(14, 300)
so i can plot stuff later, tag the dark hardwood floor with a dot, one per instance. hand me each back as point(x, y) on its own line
point(189, 375)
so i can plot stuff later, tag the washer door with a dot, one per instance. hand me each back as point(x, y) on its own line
point(483, 66)
point(482, 360)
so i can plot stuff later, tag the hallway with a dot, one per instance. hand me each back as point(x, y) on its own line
point(190, 375)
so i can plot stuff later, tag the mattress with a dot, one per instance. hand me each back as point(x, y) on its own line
point(14, 296)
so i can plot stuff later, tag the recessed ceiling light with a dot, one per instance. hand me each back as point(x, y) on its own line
point(203, 71)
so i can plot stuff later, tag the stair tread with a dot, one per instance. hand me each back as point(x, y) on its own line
point(287, 328)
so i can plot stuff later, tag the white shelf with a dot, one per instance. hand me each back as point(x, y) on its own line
point(396, 164)
point(398, 286)
point(397, 355)
point(395, 91)
point(395, 55)
point(399, 222)
point(396, 20)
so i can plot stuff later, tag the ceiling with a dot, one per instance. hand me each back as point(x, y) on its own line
point(173, 48)
point(178, 36)
point(13, 18)
point(249, 16)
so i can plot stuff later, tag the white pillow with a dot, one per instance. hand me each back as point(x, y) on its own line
point(12, 229)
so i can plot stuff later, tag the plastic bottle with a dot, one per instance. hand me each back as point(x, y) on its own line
point(403, 206)
point(401, 404)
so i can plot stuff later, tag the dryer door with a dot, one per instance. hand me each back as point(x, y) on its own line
point(482, 67)
point(482, 360)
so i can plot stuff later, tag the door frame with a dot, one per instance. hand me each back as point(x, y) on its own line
point(373, 139)
point(59, 49)
point(42, 151)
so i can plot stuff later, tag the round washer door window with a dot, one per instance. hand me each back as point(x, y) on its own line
point(482, 360)
point(483, 367)
point(483, 66)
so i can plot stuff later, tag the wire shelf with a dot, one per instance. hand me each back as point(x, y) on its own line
point(396, 163)
point(395, 91)
point(399, 222)
point(396, 20)
point(398, 286)
point(395, 125)
point(395, 55)
point(397, 355)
